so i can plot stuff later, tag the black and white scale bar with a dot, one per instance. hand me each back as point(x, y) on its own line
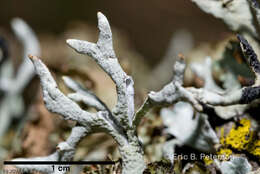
point(59, 163)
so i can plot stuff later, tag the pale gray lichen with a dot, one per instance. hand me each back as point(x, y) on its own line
point(122, 121)
point(13, 84)
point(169, 94)
point(118, 123)
point(188, 129)
point(103, 53)
point(83, 95)
point(235, 13)
point(245, 95)
point(235, 165)
point(203, 70)
point(31, 46)
point(65, 152)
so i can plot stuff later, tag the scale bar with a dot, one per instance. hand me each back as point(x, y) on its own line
point(59, 162)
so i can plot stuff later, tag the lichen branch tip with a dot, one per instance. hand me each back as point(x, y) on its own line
point(181, 56)
point(33, 57)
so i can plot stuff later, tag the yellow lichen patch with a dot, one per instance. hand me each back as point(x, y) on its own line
point(207, 160)
point(255, 149)
point(226, 152)
point(240, 137)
